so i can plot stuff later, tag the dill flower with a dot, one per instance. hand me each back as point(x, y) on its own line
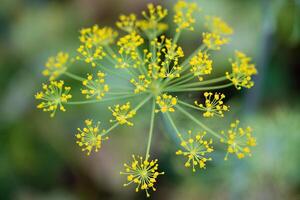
point(214, 104)
point(166, 103)
point(141, 84)
point(195, 148)
point(90, 137)
point(56, 65)
point(242, 71)
point(95, 87)
point(53, 96)
point(214, 41)
point(218, 26)
point(143, 173)
point(122, 113)
point(127, 23)
point(239, 140)
point(149, 68)
point(183, 17)
point(201, 65)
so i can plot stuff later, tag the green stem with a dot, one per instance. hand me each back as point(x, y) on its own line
point(180, 89)
point(98, 100)
point(142, 103)
point(110, 129)
point(189, 105)
point(198, 122)
point(172, 123)
point(215, 80)
point(73, 76)
point(151, 129)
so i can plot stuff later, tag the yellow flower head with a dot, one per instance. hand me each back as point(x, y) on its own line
point(127, 23)
point(90, 54)
point(141, 84)
point(201, 65)
point(242, 71)
point(183, 17)
point(152, 29)
point(218, 26)
point(122, 113)
point(95, 36)
point(56, 65)
point(166, 103)
point(214, 41)
point(155, 13)
point(214, 104)
point(95, 87)
point(129, 44)
point(195, 148)
point(90, 137)
point(239, 140)
point(143, 173)
point(53, 96)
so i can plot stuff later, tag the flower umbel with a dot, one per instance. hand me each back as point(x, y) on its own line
point(239, 140)
point(195, 148)
point(166, 103)
point(143, 173)
point(214, 104)
point(56, 65)
point(122, 113)
point(147, 68)
point(242, 71)
point(95, 87)
point(90, 137)
point(201, 65)
point(53, 96)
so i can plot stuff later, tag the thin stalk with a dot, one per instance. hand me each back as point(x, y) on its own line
point(73, 76)
point(110, 129)
point(142, 103)
point(180, 89)
point(198, 122)
point(98, 100)
point(151, 129)
point(200, 83)
point(190, 105)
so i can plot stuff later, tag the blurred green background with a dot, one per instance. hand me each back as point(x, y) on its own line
point(38, 155)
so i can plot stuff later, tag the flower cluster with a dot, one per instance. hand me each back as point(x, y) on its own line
point(122, 113)
point(195, 148)
point(143, 66)
point(56, 65)
point(242, 71)
point(95, 87)
point(90, 137)
point(53, 96)
point(142, 172)
point(239, 140)
point(214, 104)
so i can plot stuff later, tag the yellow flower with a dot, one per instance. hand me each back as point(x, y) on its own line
point(53, 96)
point(143, 173)
point(239, 140)
point(218, 26)
point(151, 26)
point(214, 41)
point(214, 104)
point(166, 103)
point(90, 137)
point(183, 17)
point(122, 113)
point(129, 44)
point(96, 36)
point(90, 54)
point(127, 23)
point(141, 84)
point(95, 87)
point(201, 65)
point(195, 148)
point(56, 65)
point(242, 71)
